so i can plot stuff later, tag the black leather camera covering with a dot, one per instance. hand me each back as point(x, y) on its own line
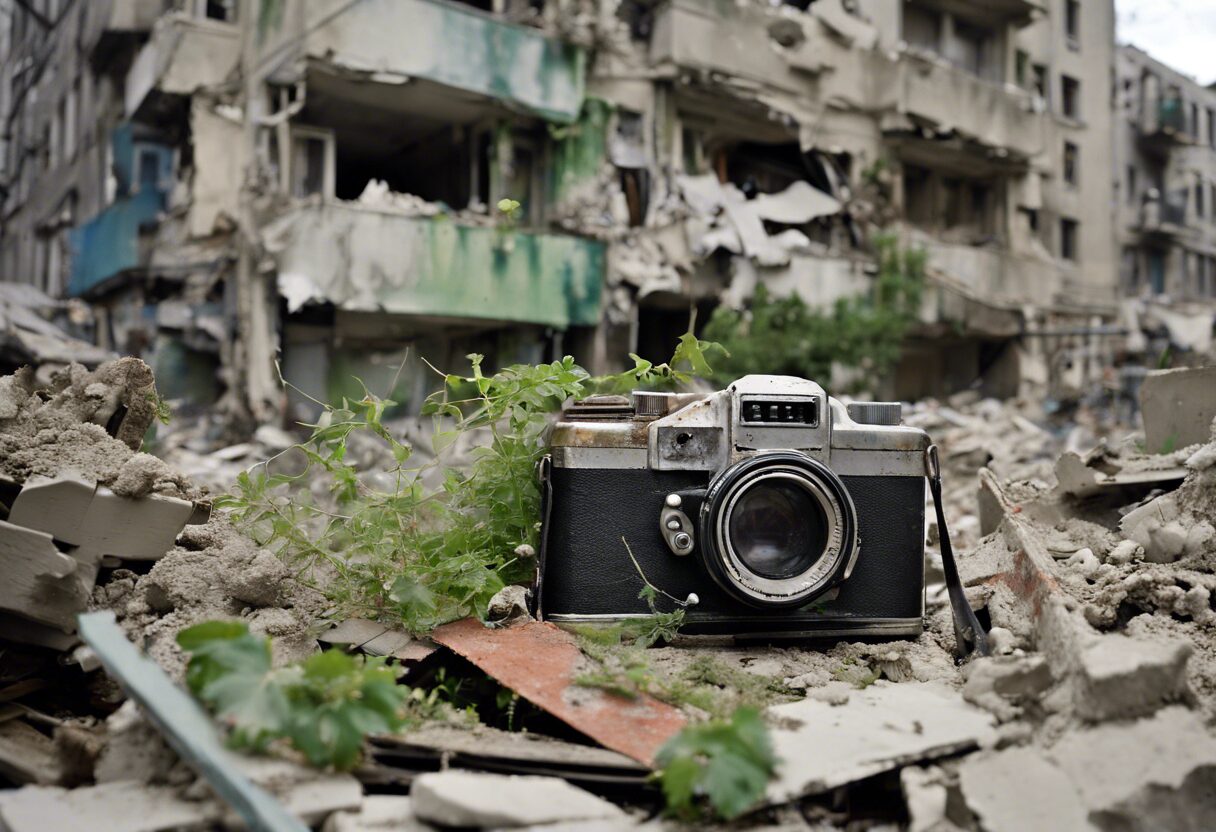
point(588, 571)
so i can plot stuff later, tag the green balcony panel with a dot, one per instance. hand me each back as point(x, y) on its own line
point(366, 260)
point(453, 45)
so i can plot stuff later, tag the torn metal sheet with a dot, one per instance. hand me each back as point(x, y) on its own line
point(540, 662)
point(185, 727)
point(800, 202)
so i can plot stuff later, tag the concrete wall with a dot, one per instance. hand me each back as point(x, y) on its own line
point(49, 192)
point(365, 260)
point(1167, 246)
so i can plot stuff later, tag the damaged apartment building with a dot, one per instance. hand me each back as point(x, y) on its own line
point(1165, 156)
point(318, 184)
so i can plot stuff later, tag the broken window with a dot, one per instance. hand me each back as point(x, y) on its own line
point(692, 150)
point(1070, 163)
point(1040, 81)
point(1131, 184)
point(1199, 199)
point(311, 166)
point(922, 27)
point(1021, 66)
point(918, 196)
point(1070, 97)
point(970, 49)
point(627, 150)
point(1194, 122)
point(1068, 239)
point(224, 10)
point(1072, 22)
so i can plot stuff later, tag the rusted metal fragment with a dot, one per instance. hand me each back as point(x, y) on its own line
point(540, 662)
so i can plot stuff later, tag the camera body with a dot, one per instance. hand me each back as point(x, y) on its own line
point(782, 510)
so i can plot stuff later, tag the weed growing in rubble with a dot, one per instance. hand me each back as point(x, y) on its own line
point(725, 763)
point(323, 706)
point(785, 335)
point(427, 557)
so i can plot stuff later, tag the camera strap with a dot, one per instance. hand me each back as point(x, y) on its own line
point(544, 470)
point(969, 634)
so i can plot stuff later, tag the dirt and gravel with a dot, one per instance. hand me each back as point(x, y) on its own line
point(1129, 576)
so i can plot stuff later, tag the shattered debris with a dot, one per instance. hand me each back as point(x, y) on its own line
point(1094, 562)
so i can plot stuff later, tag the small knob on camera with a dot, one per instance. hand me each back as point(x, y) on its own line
point(674, 500)
point(683, 540)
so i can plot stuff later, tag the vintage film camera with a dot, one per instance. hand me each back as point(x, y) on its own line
point(779, 510)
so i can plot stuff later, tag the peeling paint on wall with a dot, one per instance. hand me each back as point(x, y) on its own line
point(368, 260)
point(456, 46)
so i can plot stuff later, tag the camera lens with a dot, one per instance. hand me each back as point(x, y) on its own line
point(778, 529)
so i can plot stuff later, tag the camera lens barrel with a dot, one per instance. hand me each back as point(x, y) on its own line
point(778, 529)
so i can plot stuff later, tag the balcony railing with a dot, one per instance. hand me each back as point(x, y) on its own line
point(109, 244)
point(363, 259)
point(449, 44)
point(1171, 115)
point(183, 54)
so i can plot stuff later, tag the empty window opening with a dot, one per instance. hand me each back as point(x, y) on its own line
point(922, 27)
point(1070, 97)
point(1068, 239)
point(311, 164)
point(1072, 21)
point(1131, 184)
point(1071, 162)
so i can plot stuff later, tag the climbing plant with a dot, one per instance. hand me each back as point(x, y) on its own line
point(787, 336)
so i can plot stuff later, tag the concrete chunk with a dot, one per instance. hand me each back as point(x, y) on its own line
point(40, 582)
point(1119, 677)
point(463, 798)
point(115, 807)
point(1178, 407)
point(880, 728)
point(1154, 773)
point(378, 813)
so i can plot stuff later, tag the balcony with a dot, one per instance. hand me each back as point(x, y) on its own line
point(416, 44)
point(992, 122)
point(1015, 12)
point(111, 24)
point(696, 34)
point(1163, 126)
point(109, 245)
point(1164, 218)
point(183, 55)
point(364, 259)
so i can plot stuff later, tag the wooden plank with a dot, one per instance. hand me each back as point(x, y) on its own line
point(134, 529)
point(183, 723)
point(39, 581)
point(55, 505)
point(26, 754)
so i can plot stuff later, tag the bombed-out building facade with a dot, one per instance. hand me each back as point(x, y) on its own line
point(241, 186)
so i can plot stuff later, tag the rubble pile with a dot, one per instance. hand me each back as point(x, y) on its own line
point(1093, 562)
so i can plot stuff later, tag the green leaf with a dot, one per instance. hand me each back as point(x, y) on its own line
point(412, 594)
point(727, 763)
point(324, 706)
